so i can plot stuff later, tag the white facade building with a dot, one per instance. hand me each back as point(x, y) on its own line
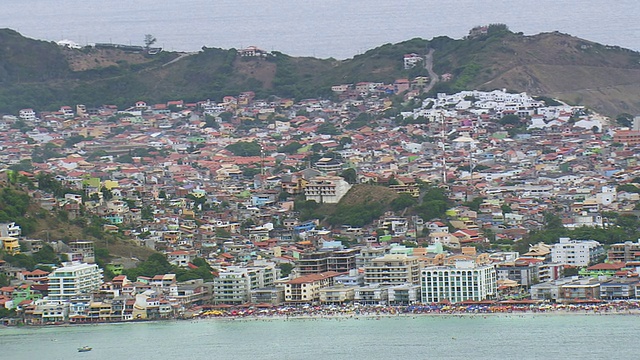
point(73, 279)
point(10, 230)
point(576, 252)
point(234, 283)
point(326, 189)
point(464, 281)
point(27, 115)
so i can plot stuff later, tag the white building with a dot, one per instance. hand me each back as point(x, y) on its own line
point(464, 281)
point(326, 189)
point(27, 115)
point(411, 60)
point(576, 252)
point(73, 279)
point(234, 283)
point(10, 230)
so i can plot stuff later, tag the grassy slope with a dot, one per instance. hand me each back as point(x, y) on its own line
point(39, 74)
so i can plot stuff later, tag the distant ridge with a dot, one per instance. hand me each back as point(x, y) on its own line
point(44, 76)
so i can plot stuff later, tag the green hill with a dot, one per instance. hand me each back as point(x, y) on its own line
point(45, 76)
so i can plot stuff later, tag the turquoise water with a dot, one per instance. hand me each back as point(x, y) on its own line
point(526, 336)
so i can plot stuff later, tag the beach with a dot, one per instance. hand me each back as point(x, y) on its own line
point(357, 311)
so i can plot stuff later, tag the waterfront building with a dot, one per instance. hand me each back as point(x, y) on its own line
point(234, 284)
point(270, 295)
point(405, 294)
point(165, 284)
point(523, 271)
point(464, 281)
point(619, 288)
point(307, 288)
point(374, 294)
point(393, 269)
point(73, 279)
point(549, 290)
point(337, 294)
point(576, 252)
point(581, 289)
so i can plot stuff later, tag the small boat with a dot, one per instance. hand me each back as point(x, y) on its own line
point(84, 349)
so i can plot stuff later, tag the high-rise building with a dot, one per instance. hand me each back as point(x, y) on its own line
point(235, 283)
point(393, 269)
point(73, 279)
point(464, 281)
point(576, 252)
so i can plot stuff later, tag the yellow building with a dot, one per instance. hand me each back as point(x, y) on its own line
point(10, 245)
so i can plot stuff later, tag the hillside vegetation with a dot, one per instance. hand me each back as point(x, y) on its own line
point(44, 76)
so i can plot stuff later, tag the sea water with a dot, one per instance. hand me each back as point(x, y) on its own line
point(327, 28)
point(518, 336)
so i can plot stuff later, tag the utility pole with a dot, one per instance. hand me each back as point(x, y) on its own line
point(444, 151)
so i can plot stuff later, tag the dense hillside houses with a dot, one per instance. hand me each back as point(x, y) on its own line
point(231, 196)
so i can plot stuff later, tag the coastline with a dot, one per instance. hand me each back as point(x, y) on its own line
point(377, 312)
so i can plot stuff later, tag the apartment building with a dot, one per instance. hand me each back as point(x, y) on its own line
point(393, 269)
point(624, 252)
point(576, 252)
point(326, 189)
point(306, 289)
point(321, 261)
point(464, 281)
point(235, 284)
point(73, 279)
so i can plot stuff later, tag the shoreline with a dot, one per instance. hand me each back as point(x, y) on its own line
point(377, 312)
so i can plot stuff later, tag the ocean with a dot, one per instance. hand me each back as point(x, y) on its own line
point(522, 336)
point(328, 28)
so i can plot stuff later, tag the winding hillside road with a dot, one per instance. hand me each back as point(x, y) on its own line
point(428, 65)
point(182, 56)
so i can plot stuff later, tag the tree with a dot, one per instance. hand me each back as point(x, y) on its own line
point(244, 148)
point(552, 221)
point(149, 40)
point(327, 129)
point(475, 203)
point(285, 269)
point(349, 175)
point(510, 119)
point(625, 119)
point(46, 255)
point(200, 262)
point(345, 140)
point(402, 202)
point(4, 280)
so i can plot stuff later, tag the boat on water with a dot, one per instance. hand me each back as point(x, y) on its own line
point(84, 349)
